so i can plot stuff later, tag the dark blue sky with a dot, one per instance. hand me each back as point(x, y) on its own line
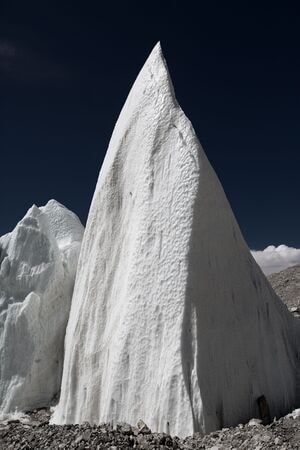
point(65, 71)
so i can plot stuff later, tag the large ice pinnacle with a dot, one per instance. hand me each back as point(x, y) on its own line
point(38, 262)
point(172, 321)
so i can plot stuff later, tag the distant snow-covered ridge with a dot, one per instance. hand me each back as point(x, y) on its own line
point(274, 259)
point(38, 262)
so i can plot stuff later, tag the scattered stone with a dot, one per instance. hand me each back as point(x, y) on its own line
point(142, 427)
point(78, 439)
point(35, 423)
point(86, 435)
point(265, 438)
point(282, 434)
point(215, 447)
point(124, 427)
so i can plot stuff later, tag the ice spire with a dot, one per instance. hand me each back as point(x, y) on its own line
point(172, 321)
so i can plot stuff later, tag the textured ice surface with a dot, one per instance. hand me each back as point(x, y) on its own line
point(37, 273)
point(172, 321)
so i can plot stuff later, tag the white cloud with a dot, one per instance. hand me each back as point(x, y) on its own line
point(274, 259)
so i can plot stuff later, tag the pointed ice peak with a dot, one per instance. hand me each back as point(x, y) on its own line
point(157, 68)
point(157, 49)
point(32, 211)
point(56, 219)
point(64, 223)
point(52, 203)
point(154, 78)
point(53, 220)
point(156, 57)
point(150, 99)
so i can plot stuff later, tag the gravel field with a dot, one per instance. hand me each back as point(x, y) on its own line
point(34, 432)
point(286, 284)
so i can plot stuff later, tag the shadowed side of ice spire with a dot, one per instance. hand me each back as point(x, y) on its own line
point(239, 340)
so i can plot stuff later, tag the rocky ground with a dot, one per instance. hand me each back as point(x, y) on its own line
point(286, 284)
point(32, 431)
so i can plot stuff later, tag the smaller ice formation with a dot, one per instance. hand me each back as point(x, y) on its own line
point(38, 261)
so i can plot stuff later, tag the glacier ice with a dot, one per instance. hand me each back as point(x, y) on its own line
point(172, 321)
point(37, 273)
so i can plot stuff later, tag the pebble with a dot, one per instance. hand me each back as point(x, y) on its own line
point(142, 427)
point(78, 439)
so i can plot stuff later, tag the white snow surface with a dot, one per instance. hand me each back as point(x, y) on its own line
point(38, 261)
point(274, 259)
point(172, 321)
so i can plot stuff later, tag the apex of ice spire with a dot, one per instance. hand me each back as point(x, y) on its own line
point(151, 95)
point(157, 51)
point(156, 60)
